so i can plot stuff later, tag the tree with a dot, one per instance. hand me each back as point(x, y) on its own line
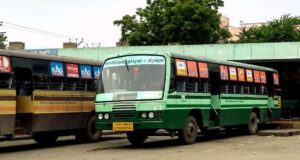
point(284, 29)
point(174, 21)
point(3, 39)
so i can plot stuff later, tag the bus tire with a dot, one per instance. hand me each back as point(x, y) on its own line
point(89, 134)
point(45, 138)
point(136, 138)
point(188, 134)
point(253, 123)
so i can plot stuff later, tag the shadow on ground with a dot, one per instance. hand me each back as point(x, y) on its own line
point(167, 142)
point(60, 143)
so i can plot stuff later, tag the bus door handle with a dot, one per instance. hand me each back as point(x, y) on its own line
point(216, 112)
point(269, 109)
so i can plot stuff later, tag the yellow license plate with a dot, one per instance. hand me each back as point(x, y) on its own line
point(122, 126)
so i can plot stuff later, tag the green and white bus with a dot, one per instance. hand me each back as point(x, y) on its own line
point(140, 93)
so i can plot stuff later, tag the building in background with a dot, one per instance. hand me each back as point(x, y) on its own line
point(16, 45)
point(235, 31)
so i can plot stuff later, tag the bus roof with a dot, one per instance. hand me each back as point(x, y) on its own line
point(22, 54)
point(203, 59)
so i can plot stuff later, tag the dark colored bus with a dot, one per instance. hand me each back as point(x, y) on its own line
point(47, 96)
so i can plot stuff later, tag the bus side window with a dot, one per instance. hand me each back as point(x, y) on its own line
point(57, 83)
point(173, 79)
point(88, 85)
point(40, 82)
point(180, 84)
point(240, 88)
point(192, 84)
point(264, 90)
point(71, 84)
point(179, 81)
point(203, 86)
point(93, 85)
point(10, 82)
point(6, 80)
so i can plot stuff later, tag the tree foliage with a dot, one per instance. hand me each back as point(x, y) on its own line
point(173, 21)
point(3, 39)
point(284, 29)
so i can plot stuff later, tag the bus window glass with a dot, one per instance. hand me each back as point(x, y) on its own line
point(90, 84)
point(39, 67)
point(133, 78)
point(72, 84)
point(57, 83)
point(6, 80)
point(40, 82)
point(276, 79)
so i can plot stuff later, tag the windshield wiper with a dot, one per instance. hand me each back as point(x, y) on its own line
point(126, 65)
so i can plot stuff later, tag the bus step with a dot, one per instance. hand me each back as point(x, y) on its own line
point(279, 132)
point(285, 124)
point(21, 131)
point(20, 137)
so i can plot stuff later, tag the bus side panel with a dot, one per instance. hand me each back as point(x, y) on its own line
point(7, 123)
point(235, 109)
point(58, 121)
point(7, 111)
point(179, 106)
point(61, 110)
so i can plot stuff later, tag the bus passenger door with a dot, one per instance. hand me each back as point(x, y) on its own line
point(215, 85)
point(23, 78)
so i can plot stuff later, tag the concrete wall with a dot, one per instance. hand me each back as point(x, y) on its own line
point(250, 51)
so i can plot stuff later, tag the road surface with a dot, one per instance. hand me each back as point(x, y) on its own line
point(116, 147)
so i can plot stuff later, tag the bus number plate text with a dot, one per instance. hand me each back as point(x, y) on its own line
point(122, 126)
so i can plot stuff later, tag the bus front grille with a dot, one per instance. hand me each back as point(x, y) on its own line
point(124, 111)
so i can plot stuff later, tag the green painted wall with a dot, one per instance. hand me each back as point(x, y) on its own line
point(250, 51)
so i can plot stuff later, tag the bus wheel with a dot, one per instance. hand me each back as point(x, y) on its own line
point(136, 138)
point(45, 138)
point(188, 134)
point(89, 134)
point(253, 123)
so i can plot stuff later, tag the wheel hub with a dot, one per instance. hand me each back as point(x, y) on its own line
point(191, 129)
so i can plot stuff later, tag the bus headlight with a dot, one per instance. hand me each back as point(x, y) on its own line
point(144, 115)
point(106, 116)
point(100, 116)
point(151, 115)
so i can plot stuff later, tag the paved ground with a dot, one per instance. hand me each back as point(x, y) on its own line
point(116, 147)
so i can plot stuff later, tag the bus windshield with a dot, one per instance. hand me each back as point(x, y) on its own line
point(137, 77)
